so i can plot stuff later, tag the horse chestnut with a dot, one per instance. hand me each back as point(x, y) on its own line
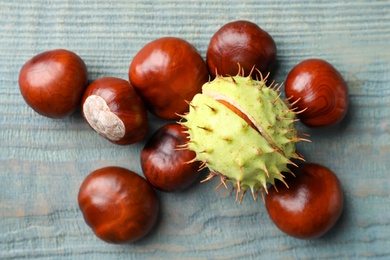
point(240, 42)
point(315, 85)
point(113, 109)
point(167, 72)
point(119, 205)
point(52, 83)
point(310, 206)
point(164, 164)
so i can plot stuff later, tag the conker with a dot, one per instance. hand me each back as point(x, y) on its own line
point(315, 85)
point(52, 83)
point(113, 109)
point(310, 206)
point(166, 163)
point(240, 42)
point(119, 205)
point(166, 73)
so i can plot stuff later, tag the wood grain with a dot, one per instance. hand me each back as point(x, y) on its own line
point(43, 161)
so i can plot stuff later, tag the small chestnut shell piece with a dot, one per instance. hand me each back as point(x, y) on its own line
point(166, 161)
point(240, 45)
point(310, 206)
point(52, 83)
point(317, 86)
point(119, 205)
point(166, 73)
point(112, 107)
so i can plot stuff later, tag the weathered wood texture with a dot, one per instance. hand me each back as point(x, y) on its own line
point(43, 161)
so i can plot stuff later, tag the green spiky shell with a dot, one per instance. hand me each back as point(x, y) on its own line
point(228, 145)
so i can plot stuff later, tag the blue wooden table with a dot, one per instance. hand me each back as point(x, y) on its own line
point(43, 161)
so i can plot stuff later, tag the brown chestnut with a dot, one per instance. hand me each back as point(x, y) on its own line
point(113, 109)
point(240, 42)
point(315, 85)
point(52, 83)
point(310, 206)
point(165, 165)
point(166, 73)
point(119, 205)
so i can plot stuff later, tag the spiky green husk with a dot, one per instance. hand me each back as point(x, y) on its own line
point(231, 148)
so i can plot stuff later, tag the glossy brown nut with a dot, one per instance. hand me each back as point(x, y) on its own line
point(310, 206)
point(240, 42)
point(321, 89)
point(167, 72)
point(52, 83)
point(112, 107)
point(119, 205)
point(164, 164)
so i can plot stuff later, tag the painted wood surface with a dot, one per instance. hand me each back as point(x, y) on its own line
point(43, 161)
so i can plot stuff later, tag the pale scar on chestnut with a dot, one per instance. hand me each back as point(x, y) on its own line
point(102, 120)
